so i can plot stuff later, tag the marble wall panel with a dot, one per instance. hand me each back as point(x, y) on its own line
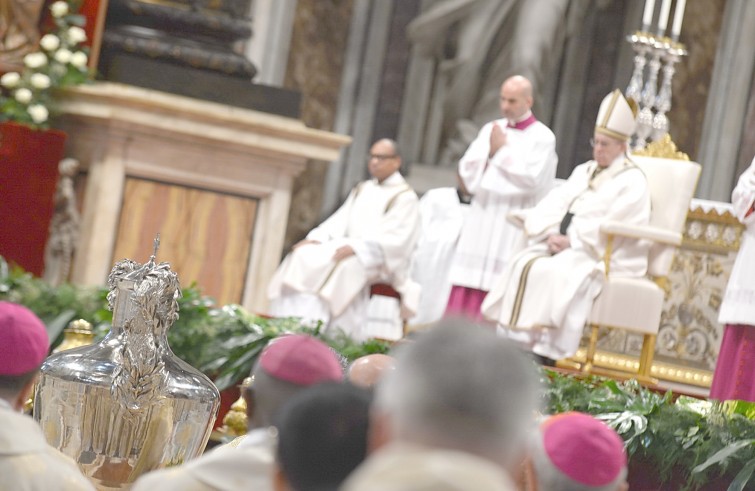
point(315, 64)
point(700, 34)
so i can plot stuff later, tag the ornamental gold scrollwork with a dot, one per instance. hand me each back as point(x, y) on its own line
point(664, 148)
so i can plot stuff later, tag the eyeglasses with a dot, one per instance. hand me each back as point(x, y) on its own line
point(603, 144)
point(380, 157)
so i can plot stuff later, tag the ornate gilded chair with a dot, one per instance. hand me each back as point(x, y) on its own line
point(635, 304)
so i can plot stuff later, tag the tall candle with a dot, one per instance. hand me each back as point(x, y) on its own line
point(676, 27)
point(647, 15)
point(663, 17)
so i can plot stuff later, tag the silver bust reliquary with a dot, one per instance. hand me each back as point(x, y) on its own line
point(128, 405)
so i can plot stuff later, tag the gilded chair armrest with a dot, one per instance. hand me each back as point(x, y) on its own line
point(645, 232)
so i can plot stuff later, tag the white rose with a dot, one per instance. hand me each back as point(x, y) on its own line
point(23, 96)
point(49, 42)
point(35, 60)
point(76, 35)
point(62, 55)
point(40, 81)
point(59, 9)
point(38, 113)
point(79, 59)
point(10, 79)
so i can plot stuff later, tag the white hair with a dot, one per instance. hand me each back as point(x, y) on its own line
point(459, 386)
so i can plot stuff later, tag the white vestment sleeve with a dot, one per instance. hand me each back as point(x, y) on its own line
point(545, 218)
point(521, 167)
point(369, 253)
point(629, 205)
point(334, 227)
point(744, 194)
point(474, 161)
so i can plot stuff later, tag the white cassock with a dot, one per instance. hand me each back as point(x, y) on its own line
point(738, 306)
point(29, 463)
point(442, 214)
point(542, 301)
point(516, 177)
point(249, 466)
point(380, 221)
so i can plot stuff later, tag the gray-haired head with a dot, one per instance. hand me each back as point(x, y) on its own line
point(459, 386)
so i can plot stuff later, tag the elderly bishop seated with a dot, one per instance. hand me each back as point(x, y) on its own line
point(368, 240)
point(544, 297)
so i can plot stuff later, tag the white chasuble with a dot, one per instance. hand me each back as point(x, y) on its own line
point(380, 221)
point(516, 177)
point(542, 301)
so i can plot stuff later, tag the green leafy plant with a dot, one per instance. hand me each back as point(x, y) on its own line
point(240, 352)
point(222, 341)
point(697, 440)
point(56, 306)
point(26, 96)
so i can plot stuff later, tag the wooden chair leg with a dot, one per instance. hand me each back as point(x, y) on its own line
point(591, 349)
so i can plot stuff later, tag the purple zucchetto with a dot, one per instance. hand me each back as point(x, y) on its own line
point(301, 360)
point(23, 340)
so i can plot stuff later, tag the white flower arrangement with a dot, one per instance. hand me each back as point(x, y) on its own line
point(61, 61)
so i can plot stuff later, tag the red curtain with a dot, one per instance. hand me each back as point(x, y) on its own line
point(28, 176)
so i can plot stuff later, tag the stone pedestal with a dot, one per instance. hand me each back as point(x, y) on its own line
point(214, 180)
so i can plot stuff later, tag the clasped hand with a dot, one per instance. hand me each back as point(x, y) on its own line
point(497, 139)
point(557, 243)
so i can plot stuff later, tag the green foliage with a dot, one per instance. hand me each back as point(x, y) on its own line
point(687, 437)
point(239, 352)
point(696, 439)
point(223, 341)
point(56, 306)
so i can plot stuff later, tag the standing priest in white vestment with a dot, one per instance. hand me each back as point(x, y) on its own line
point(369, 239)
point(442, 212)
point(511, 165)
point(544, 297)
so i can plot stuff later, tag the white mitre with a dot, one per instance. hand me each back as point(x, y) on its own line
point(617, 117)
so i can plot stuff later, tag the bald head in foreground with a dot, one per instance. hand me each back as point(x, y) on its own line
point(368, 370)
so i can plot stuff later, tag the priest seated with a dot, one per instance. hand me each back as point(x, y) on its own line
point(544, 297)
point(368, 240)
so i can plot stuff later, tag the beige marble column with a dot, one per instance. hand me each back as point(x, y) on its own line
point(315, 63)
point(727, 104)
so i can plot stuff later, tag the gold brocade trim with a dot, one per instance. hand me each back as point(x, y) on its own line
point(607, 116)
point(661, 370)
point(663, 148)
point(519, 299)
point(613, 134)
point(712, 231)
point(393, 199)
